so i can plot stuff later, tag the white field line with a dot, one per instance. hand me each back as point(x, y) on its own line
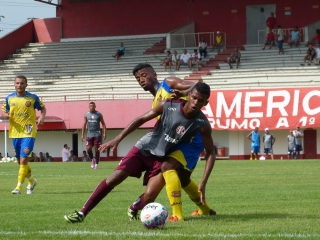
point(159, 233)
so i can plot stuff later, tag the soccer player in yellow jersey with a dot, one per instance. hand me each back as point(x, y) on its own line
point(147, 79)
point(19, 107)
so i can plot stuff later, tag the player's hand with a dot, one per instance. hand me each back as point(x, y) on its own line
point(177, 93)
point(202, 191)
point(40, 121)
point(82, 138)
point(111, 145)
point(104, 136)
point(5, 115)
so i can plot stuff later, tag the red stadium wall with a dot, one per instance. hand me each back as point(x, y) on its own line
point(119, 17)
point(16, 39)
point(47, 30)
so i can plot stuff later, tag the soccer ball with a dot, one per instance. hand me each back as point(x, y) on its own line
point(154, 215)
point(262, 158)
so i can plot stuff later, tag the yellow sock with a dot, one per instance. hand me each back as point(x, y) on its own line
point(194, 195)
point(22, 175)
point(173, 187)
point(29, 176)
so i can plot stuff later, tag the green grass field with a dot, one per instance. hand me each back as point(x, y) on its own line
point(253, 200)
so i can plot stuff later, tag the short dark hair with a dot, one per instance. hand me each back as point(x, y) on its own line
point(65, 145)
point(318, 31)
point(195, 50)
point(141, 66)
point(279, 26)
point(23, 77)
point(92, 103)
point(202, 88)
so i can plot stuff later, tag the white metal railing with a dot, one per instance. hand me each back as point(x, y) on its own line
point(185, 40)
point(262, 34)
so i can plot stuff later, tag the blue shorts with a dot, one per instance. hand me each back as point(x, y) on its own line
point(299, 148)
point(268, 150)
point(255, 149)
point(292, 151)
point(23, 146)
point(188, 152)
point(280, 43)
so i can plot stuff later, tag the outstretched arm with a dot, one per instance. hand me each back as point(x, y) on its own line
point(153, 113)
point(210, 160)
point(181, 88)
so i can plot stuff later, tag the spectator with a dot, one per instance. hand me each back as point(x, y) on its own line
point(268, 141)
point(271, 22)
point(234, 57)
point(254, 137)
point(65, 153)
point(195, 59)
point(175, 59)
point(317, 36)
point(184, 59)
point(85, 157)
point(317, 56)
point(167, 61)
point(311, 53)
point(1, 156)
point(73, 157)
point(203, 48)
point(294, 37)
point(48, 157)
point(120, 51)
point(269, 40)
point(298, 135)
point(291, 146)
point(219, 41)
point(280, 38)
point(41, 157)
point(33, 157)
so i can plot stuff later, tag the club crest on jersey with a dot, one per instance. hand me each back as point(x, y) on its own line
point(26, 150)
point(180, 130)
point(28, 103)
point(92, 117)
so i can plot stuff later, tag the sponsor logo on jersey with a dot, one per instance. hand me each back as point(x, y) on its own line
point(28, 103)
point(12, 104)
point(199, 120)
point(25, 114)
point(172, 109)
point(180, 130)
point(170, 139)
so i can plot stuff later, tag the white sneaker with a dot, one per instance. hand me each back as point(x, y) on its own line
point(93, 163)
point(31, 187)
point(16, 191)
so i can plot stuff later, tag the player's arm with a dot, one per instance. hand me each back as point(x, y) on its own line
point(42, 116)
point(180, 88)
point(249, 136)
point(273, 139)
point(5, 109)
point(210, 159)
point(104, 131)
point(83, 129)
point(136, 123)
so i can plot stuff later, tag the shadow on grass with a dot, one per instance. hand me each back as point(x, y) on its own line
point(246, 217)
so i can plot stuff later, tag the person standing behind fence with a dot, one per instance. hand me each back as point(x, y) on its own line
point(295, 37)
point(271, 22)
point(268, 141)
point(291, 146)
point(219, 41)
point(203, 48)
point(92, 119)
point(298, 135)
point(280, 38)
point(254, 137)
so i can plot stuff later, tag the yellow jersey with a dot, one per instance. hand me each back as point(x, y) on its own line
point(218, 38)
point(22, 114)
point(163, 93)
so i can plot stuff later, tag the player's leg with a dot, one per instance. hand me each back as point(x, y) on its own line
point(173, 186)
point(97, 143)
point(89, 144)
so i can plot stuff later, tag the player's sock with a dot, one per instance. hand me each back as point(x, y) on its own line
point(173, 187)
point(98, 194)
point(90, 154)
point(97, 157)
point(23, 170)
point(138, 204)
point(194, 195)
point(29, 176)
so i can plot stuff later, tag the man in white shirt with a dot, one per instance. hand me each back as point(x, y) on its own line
point(65, 153)
point(317, 57)
point(184, 58)
point(195, 59)
point(203, 47)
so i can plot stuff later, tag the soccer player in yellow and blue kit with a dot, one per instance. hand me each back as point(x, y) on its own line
point(19, 107)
